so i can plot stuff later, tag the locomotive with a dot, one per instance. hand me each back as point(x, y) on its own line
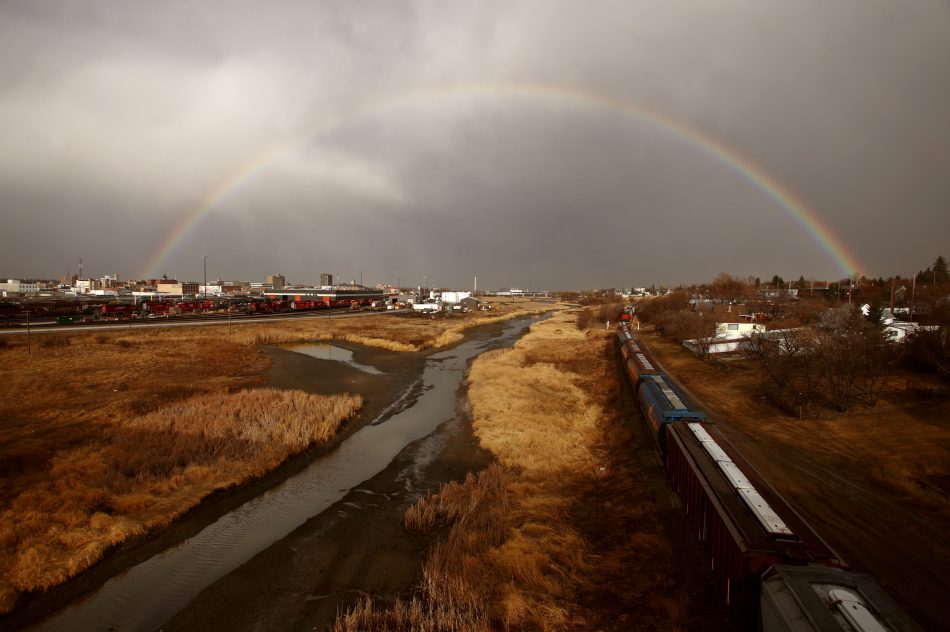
point(774, 572)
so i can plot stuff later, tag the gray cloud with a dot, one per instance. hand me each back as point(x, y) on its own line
point(120, 118)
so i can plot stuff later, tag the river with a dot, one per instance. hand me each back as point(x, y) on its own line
point(148, 594)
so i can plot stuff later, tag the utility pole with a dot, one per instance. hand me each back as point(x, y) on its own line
point(913, 294)
point(29, 342)
point(205, 258)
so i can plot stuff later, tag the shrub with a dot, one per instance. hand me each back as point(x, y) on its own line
point(584, 317)
point(54, 342)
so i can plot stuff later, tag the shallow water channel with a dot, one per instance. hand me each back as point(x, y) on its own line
point(335, 353)
point(148, 594)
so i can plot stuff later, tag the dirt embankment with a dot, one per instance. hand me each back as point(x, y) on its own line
point(873, 482)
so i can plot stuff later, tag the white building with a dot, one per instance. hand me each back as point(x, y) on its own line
point(731, 331)
point(729, 337)
point(454, 298)
point(211, 290)
point(14, 287)
point(84, 286)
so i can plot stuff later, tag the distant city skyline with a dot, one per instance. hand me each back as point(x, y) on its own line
point(539, 144)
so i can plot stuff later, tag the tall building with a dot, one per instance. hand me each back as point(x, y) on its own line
point(326, 279)
point(277, 281)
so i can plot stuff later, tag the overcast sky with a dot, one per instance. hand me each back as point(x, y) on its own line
point(439, 139)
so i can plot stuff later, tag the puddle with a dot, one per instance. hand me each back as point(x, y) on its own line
point(335, 353)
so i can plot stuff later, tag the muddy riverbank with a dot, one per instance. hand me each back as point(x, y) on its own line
point(287, 370)
point(357, 547)
point(387, 392)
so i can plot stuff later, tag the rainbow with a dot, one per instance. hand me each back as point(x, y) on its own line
point(754, 175)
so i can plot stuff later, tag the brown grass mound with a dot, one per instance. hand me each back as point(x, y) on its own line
point(149, 470)
point(559, 534)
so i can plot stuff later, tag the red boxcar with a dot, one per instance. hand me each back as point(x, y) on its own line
point(747, 526)
point(117, 310)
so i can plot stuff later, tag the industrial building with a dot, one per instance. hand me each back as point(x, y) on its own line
point(328, 294)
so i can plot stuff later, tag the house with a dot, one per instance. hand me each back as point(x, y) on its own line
point(729, 337)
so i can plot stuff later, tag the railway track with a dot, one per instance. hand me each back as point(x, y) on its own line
point(46, 327)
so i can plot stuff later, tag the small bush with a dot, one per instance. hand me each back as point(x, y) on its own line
point(54, 342)
point(583, 318)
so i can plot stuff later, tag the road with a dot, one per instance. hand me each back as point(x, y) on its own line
point(45, 327)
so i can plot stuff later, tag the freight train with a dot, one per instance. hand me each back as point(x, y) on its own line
point(773, 571)
point(152, 309)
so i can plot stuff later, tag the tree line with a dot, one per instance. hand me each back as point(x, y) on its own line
point(819, 350)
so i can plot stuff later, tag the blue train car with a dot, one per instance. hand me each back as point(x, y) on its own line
point(663, 404)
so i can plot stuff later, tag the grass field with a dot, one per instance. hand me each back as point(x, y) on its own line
point(111, 434)
point(561, 532)
point(392, 332)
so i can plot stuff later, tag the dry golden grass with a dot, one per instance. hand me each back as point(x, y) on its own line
point(107, 434)
point(148, 470)
point(558, 534)
point(394, 332)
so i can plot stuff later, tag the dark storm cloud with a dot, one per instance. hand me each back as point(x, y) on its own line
point(119, 118)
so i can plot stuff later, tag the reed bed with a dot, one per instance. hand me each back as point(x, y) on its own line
point(559, 533)
point(107, 435)
point(145, 472)
point(401, 333)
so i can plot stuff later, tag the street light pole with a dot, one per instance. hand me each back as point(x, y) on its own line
point(29, 342)
point(205, 258)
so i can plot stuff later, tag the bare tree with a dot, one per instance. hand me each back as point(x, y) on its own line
point(790, 365)
point(728, 288)
point(693, 326)
point(855, 358)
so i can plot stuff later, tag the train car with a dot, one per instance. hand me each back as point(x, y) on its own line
point(662, 404)
point(628, 344)
point(116, 310)
point(156, 307)
point(817, 598)
point(746, 525)
point(623, 334)
point(625, 338)
point(638, 364)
